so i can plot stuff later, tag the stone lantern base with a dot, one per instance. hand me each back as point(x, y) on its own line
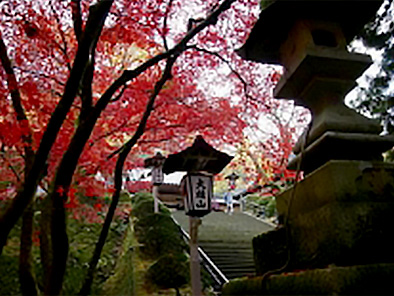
point(341, 214)
point(339, 233)
point(371, 279)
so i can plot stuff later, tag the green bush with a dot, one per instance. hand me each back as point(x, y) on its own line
point(9, 276)
point(159, 235)
point(141, 196)
point(270, 209)
point(143, 205)
point(153, 220)
point(160, 238)
point(169, 271)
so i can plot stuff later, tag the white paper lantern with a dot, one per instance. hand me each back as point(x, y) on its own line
point(198, 197)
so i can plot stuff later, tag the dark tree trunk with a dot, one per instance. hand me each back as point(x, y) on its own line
point(97, 15)
point(26, 276)
point(45, 239)
point(87, 285)
point(85, 290)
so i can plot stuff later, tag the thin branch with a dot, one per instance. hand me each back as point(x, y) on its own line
point(177, 49)
point(163, 35)
point(38, 74)
point(65, 48)
point(77, 18)
point(149, 108)
point(11, 167)
point(16, 98)
point(107, 134)
point(117, 98)
point(236, 73)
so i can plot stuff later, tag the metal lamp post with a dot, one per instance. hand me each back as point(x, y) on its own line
point(201, 162)
point(156, 163)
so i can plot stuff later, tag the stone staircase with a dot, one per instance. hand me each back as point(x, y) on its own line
point(227, 240)
point(234, 260)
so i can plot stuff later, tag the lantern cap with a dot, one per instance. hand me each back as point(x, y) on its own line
point(232, 176)
point(276, 20)
point(154, 161)
point(199, 157)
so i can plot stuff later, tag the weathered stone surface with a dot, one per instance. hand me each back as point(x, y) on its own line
point(270, 250)
point(343, 233)
point(341, 146)
point(340, 215)
point(372, 279)
point(341, 181)
point(321, 71)
point(264, 42)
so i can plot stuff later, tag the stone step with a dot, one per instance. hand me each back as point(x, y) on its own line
point(227, 240)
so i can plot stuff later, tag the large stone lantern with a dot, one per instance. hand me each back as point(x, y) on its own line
point(336, 238)
point(310, 38)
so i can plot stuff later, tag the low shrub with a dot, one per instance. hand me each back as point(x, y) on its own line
point(160, 240)
point(169, 271)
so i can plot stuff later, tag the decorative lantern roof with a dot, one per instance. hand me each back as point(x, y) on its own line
point(276, 21)
point(154, 161)
point(199, 157)
point(232, 176)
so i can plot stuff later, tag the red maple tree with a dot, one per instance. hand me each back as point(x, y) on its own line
point(90, 87)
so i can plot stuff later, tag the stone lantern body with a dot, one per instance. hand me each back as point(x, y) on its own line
point(309, 39)
point(337, 219)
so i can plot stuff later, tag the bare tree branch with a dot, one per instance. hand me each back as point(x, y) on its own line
point(165, 27)
point(64, 49)
point(236, 73)
point(77, 18)
point(11, 166)
point(93, 29)
point(128, 75)
point(126, 148)
point(117, 98)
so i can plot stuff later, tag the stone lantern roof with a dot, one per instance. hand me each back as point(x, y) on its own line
point(276, 21)
point(199, 157)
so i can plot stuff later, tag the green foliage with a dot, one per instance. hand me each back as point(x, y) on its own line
point(143, 205)
point(268, 202)
point(270, 209)
point(160, 240)
point(169, 271)
point(159, 235)
point(9, 280)
point(122, 282)
point(157, 232)
point(141, 196)
point(82, 238)
point(377, 99)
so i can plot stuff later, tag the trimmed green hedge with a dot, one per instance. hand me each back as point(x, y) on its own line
point(160, 240)
point(169, 271)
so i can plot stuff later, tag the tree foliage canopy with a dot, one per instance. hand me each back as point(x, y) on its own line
point(377, 97)
point(92, 87)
